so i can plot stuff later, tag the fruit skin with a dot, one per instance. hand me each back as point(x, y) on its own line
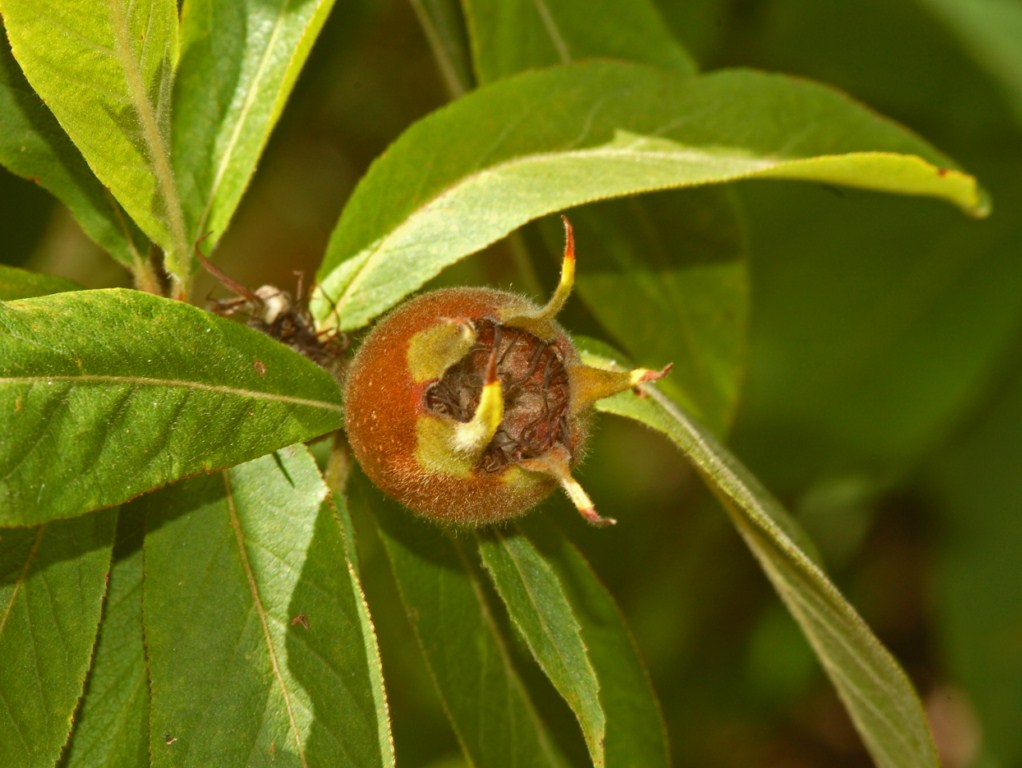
point(385, 408)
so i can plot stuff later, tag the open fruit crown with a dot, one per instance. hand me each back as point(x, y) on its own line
point(471, 405)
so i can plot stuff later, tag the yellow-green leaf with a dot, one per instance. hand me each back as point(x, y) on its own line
point(547, 140)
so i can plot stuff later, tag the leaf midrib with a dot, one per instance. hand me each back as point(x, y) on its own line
point(550, 25)
point(514, 682)
point(595, 746)
point(174, 383)
point(158, 153)
point(370, 254)
point(22, 577)
point(257, 603)
point(250, 99)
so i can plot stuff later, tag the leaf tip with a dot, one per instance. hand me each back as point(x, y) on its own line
point(982, 205)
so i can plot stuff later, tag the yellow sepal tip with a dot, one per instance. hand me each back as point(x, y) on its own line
point(555, 463)
point(540, 322)
point(471, 438)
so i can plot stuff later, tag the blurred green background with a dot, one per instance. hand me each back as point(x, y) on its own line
point(882, 399)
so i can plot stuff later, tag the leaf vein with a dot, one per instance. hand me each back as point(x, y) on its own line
point(552, 29)
point(26, 451)
point(155, 141)
point(250, 98)
point(260, 609)
point(370, 255)
point(22, 576)
point(14, 721)
point(174, 383)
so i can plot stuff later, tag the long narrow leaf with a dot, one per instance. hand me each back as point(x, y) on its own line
point(352, 591)
point(636, 734)
point(255, 635)
point(540, 610)
point(486, 701)
point(112, 726)
point(547, 140)
point(52, 582)
point(107, 77)
point(132, 391)
point(239, 62)
point(879, 697)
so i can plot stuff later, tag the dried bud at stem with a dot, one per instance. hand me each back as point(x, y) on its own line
point(270, 310)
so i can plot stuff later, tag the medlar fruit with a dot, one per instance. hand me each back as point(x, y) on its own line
point(471, 405)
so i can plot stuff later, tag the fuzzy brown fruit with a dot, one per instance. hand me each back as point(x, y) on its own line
point(471, 405)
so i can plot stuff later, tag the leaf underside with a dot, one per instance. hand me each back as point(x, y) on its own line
point(108, 80)
point(609, 130)
point(879, 697)
point(35, 147)
point(229, 92)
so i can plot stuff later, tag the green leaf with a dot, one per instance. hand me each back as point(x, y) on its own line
point(941, 90)
point(484, 698)
point(879, 697)
point(509, 36)
point(106, 71)
point(52, 582)
point(132, 391)
point(635, 730)
point(33, 146)
point(547, 140)
point(24, 284)
point(354, 596)
point(679, 256)
point(256, 632)
point(239, 62)
point(540, 610)
point(112, 725)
